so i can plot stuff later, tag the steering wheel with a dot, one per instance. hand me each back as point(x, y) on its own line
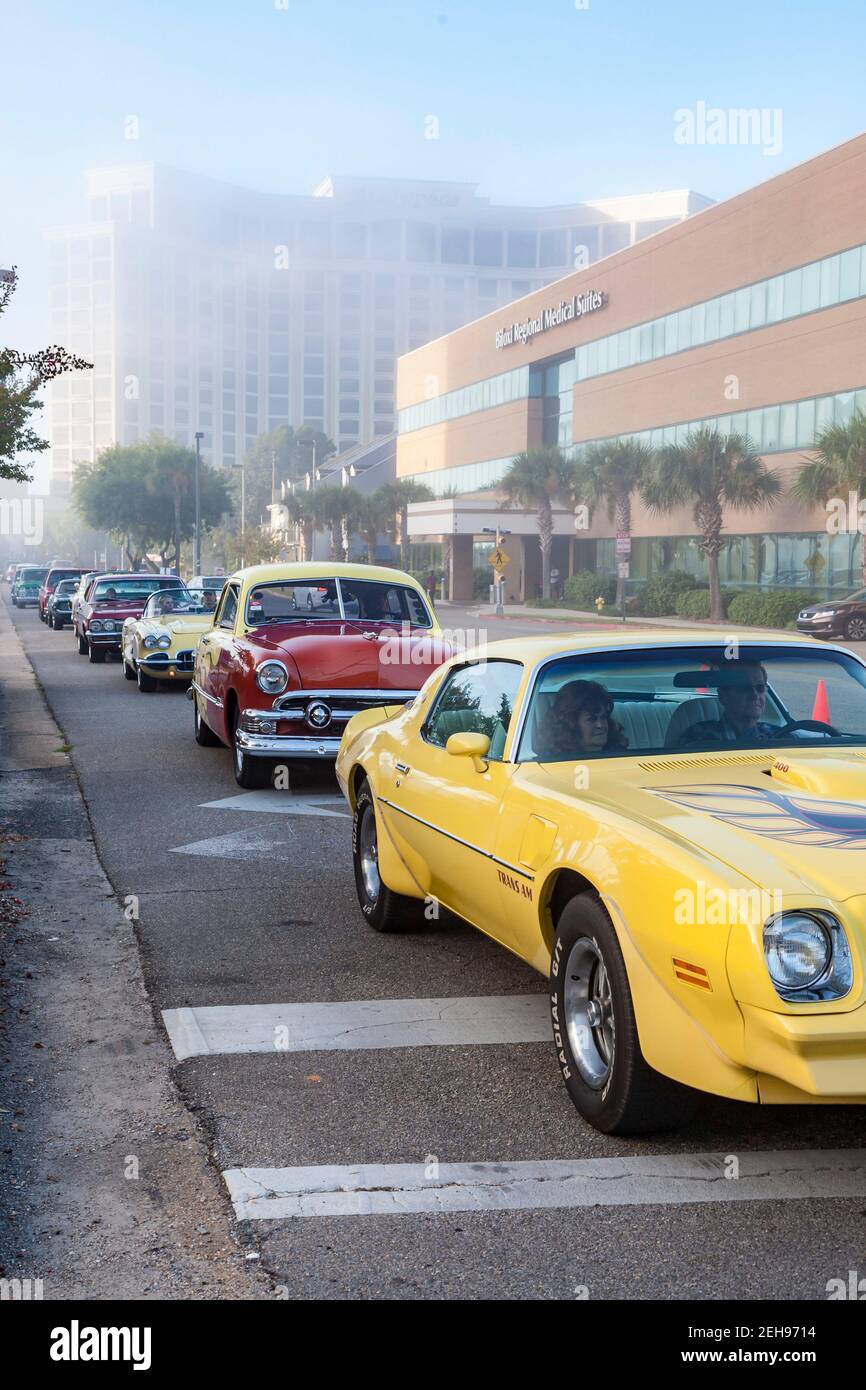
point(817, 726)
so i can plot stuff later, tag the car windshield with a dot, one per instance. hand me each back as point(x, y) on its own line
point(57, 576)
point(65, 588)
point(368, 600)
point(31, 576)
point(128, 590)
point(172, 602)
point(694, 699)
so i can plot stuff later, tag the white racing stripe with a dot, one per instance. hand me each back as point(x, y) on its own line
point(382, 1189)
point(357, 1025)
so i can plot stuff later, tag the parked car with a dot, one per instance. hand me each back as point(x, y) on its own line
point(276, 679)
point(659, 825)
point(159, 646)
point(59, 605)
point(50, 582)
point(107, 602)
point(844, 617)
point(26, 585)
point(81, 590)
point(207, 581)
point(10, 573)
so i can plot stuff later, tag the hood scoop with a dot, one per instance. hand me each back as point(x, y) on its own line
point(842, 777)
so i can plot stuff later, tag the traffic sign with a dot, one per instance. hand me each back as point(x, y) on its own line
point(498, 559)
point(623, 544)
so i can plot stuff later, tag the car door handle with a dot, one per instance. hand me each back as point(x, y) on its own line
point(403, 767)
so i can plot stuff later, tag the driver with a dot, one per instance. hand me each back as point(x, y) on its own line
point(743, 697)
point(166, 604)
point(209, 600)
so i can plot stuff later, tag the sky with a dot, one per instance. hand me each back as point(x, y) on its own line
point(544, 102)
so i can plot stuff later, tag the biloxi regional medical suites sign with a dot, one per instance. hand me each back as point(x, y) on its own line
point(552, 317)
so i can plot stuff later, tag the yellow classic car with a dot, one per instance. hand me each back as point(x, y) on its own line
point(671, 828)
point(160, 644)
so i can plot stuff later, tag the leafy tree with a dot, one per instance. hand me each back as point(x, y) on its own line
point(374, 513)
point(144, 496)
point(610, 474)
point(536, 479)
point(712, 471)
point(836, 467)
point(22, 375)
point(255, 546)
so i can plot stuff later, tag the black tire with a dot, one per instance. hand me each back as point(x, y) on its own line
point(204, 734)
point(855, 628)
point(82, 644)
point(128, 671)
point(385, 910)
point(95, 654)
point(58, 624)
point(602, 1065)
point(253, 774)
point(146, 684)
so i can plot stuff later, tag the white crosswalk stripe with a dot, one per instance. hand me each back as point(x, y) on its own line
point(285, 803)
point(357, 1024)
point(379, 1189)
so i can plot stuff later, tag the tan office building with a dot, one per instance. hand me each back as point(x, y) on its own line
point(749, 316)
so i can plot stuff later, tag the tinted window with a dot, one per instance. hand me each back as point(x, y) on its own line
point(229, 608)
point(476, 699)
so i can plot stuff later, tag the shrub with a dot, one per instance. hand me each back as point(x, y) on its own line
point(657, 598)
point(693, 603)
point(773, 608)
point(582, 589)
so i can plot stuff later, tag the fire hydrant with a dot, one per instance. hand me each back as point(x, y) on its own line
point(599, 604)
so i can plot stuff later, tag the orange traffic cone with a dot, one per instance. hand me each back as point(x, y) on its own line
point(821, 707)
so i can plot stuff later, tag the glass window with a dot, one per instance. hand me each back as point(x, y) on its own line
point(788, 427)
point(455, 245)
point(420, 241)
point(521, 248)
point(805, 424)
point(742, 310)
point(726, 315)
point(792, 293)
point(774, 299)
point(849, 274)
point(758, 305)
point(488, 246)
point(811, 288)
point(829, 281)
point(553, 247)
point(476, 699)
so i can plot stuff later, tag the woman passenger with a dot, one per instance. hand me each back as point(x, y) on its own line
point(580, 722)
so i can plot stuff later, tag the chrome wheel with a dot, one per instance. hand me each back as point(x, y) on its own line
point(589, 1017)
point(855, 629)
point(368, 853)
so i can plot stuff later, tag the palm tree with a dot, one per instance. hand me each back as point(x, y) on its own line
point(301, 513)
point(374, 513)
point(400, 494)
point(536, 479)
point(712, 471)
point(836, 468)
point(330, 507)
point(611, 473)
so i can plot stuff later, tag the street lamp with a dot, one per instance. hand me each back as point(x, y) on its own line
point(196, 548)
point(243, 467)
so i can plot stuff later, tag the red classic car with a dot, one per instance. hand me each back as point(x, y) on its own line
point(297, 649)
point(108, 601)
point(50, 582)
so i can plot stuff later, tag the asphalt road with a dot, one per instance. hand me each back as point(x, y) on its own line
point(244, 906)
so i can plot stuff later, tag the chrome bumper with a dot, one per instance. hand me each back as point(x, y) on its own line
point(104, 639)
point(286, 746)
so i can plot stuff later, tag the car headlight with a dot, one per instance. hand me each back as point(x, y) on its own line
point(272, 677)
point(807, 955)
point(150, 641)
point(108, 625)
point(96, 625)
point(164, 641)
point(825, 613)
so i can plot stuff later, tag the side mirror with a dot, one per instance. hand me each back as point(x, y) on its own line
point(474, 746)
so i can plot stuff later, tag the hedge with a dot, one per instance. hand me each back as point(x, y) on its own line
point(695, 603)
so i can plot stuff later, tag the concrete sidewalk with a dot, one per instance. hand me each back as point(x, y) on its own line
point(549, 615)
point(107, 1186)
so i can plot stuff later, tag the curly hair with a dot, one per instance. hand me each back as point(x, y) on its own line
point(570, 702)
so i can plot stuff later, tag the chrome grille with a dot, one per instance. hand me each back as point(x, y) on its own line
point(343, 704)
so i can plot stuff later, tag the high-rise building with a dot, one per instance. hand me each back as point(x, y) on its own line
point(204, 306)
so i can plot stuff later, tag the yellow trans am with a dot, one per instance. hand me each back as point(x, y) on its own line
point(672, 829)
point(160, 644)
